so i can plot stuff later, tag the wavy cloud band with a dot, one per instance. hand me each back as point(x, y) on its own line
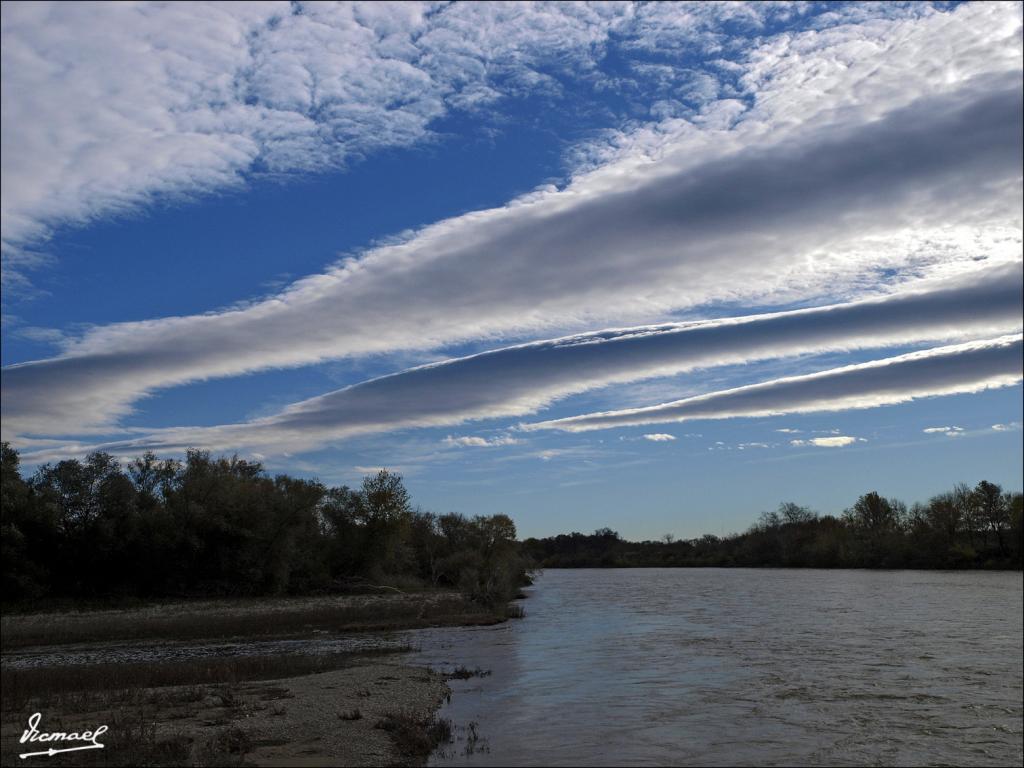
point(950, 370)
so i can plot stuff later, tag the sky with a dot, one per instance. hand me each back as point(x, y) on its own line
point(651, 266)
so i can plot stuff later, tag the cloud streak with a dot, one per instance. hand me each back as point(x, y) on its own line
point(955, 369)
point(474, 441)
point(885, 147)
point(745, 226)
point(524, 379)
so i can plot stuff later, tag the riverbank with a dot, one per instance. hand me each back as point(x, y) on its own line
point(266, 617)
point(366, 713)
point(239, 697)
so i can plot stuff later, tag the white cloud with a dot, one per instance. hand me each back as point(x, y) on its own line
point(955, 369)
point(548, 454)
point(755, 445)
point(839, 441)
point(1013, 425)
point(472, 441)
point(659, 437)
point(947, 431)
point(905, 158)
point(65, 395)
point(110, 106)
point(527, 378)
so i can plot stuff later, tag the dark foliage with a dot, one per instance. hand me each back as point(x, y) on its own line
point(95, 530)
point(976, 527)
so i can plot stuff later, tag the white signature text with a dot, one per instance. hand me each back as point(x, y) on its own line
point(33, 735)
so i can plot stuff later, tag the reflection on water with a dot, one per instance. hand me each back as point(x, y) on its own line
point(706, 666)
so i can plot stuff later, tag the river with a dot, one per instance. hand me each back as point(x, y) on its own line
point(726, 667)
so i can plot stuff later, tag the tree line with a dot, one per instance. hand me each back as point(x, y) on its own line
point(977, 527)
point(100, 529)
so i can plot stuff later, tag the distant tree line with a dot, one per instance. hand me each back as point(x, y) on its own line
point(97, 529)
point(967, 527)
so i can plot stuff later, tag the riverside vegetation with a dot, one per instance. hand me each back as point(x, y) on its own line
point(96, 531)
point(978, 527)
point(168, 553)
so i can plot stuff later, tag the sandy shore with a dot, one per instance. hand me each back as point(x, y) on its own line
point(362, 708)
point(319, 725)
point(367, 714)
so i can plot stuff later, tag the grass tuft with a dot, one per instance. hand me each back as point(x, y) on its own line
point(416, 737)
point(464, 673)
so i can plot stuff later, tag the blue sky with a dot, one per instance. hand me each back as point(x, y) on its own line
point(504, 249)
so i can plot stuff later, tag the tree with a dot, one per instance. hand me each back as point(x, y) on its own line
point(1015, 504)
point(25, 533)
point(794, 514)
point(874, 514)
point(13, 490)
point(991, 510)
point(877, 523)
point(386, 514)
point(946, 516)
point(341, 518)
point(963, 498)
point(151, 478)
point(768, 521)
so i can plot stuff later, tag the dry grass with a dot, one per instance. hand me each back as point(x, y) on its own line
point(465, 673)
point(416, 737)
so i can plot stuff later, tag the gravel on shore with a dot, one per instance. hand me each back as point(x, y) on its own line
point(344, 717)
point(318, 725)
